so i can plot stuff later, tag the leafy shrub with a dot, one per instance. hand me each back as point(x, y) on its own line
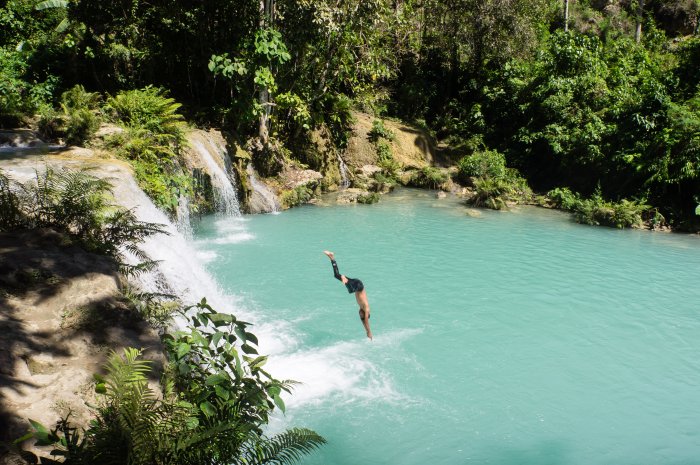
point(491, 193)
point(598, 211)
point(384, 151)
point(368, 198)
point(73, 202)
point(20, 95)
point(379, 131)
point(81, 125)
point(51, 123)
point(429, 177)
point(563, 198)
point(296, 196)
point(384, 181)
point(11, 215)
point(77, 98)
point(486, 163)
point(149, 109)
point(78, 119)
point(155, 165)
point(151, 143)
point(390, 167)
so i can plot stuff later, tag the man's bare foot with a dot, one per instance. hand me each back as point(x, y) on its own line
point(330, 254)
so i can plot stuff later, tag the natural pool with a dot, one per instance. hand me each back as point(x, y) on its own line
point(506, 338)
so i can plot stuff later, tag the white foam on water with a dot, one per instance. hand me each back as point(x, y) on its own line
point(233, 238)
point(229, 230)
point(344, 372)
point(207, 256)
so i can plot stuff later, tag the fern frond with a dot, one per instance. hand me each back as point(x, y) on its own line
point(285, 448)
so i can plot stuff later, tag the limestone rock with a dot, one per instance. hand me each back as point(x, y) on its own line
point(61, 314)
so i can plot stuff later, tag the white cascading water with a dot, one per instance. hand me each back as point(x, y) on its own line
point(225, 197)
point(179, 272)
point(268, 197)
point(344, 180)
point(183, 217)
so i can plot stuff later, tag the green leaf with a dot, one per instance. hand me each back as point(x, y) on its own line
point(241, 333)
point(183, 349)
point(23, 438)
point(63, 25)
point(697, 210)
point(251, 337)
point(215, 379)
point(222, 393)
point(51, 4)
point(221, 319)
point(101, 388)
point(279, 403)
point(207, 408)
point(258, 362)
point(38, 427)
point(248, 349)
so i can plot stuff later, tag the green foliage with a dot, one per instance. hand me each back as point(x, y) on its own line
point(78, 119)
point(486, 163)
point(491, 193)
point(687, 71)
point(563, 198)
point(384, 153)
point(76, 203)
point(218, 369)
point(151, 143)
point(149, 109)
point(296, 196)
point(210, 411)
point(11, 215)
point(430, 177)
point(379, 131)
point(156, 166)
point(368, 198)
point(390, 167)
point(20, 93)
point(598, 211)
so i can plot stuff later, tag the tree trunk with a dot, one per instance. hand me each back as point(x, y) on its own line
point(566, 15)
point(266, 18)
point(640, 17)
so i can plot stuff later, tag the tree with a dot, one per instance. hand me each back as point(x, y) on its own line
point(640, 18)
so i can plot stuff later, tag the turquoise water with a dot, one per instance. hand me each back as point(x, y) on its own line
point(503, 338)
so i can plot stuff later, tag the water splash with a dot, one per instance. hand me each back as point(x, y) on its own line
point(183, 217)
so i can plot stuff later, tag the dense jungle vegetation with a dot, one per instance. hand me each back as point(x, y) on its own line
point(598, 100)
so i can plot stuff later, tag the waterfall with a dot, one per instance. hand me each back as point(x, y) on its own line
point(344, 180)
point(183, 217)
point(217, 162)
point(179, 271)
point(266, 200)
